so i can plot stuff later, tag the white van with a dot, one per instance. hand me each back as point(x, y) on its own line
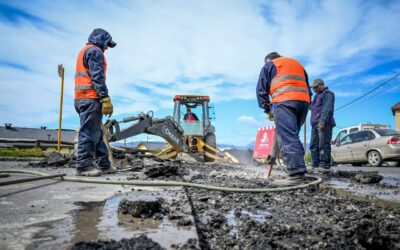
point(362, 126)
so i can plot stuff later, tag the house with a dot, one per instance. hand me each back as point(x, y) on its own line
point(152, 147)
point(17, 137)
point(396, 113)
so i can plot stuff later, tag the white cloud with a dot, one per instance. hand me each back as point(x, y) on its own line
point(249, 120)
point(199, 47)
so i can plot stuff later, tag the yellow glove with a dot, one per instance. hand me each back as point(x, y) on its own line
point(270, 117)
point(107, 107)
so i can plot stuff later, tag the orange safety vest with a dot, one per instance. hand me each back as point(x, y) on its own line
point(289, 84)
point(84, 87)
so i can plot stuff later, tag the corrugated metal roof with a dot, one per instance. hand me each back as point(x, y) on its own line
point(153, 146)
point(67, 135)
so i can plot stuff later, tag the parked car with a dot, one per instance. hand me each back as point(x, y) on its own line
point(362, 126)
point(372, 146)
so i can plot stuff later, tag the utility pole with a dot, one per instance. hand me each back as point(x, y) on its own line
point(61, 75)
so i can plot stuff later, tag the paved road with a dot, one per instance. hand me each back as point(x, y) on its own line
point(46, 214)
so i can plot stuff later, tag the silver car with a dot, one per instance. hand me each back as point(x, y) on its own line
point(372, 146)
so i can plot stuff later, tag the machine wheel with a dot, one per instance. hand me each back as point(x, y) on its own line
point(374, 158)
point(210, 140)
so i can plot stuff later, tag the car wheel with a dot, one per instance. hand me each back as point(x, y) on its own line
point(375, 158)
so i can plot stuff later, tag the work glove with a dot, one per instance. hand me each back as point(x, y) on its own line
point(267, 107)
point(106, 106)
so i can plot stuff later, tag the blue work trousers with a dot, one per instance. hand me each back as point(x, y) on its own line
point(320, 146)
point(289, 117)
point(91, 147)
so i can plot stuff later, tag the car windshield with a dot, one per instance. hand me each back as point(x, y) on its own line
point(387, 132)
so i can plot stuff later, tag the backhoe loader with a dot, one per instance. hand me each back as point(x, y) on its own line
point(194, 137)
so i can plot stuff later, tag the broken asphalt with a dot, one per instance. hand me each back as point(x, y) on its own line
point(350, 210)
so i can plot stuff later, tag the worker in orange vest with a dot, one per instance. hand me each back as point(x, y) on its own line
point(91, 103)
point(286, 81)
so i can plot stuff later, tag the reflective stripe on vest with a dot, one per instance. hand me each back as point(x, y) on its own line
point(288, 77)
point(287, 89)
point(83, 74)
point(289, 82)
point(84, 87)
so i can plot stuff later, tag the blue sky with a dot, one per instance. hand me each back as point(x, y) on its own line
point(209, 47)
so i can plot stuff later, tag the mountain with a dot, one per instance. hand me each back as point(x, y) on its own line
point(226, 146)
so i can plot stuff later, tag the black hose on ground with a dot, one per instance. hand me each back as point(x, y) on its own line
point(316, 181)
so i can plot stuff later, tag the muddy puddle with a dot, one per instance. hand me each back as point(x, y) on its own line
point(391, 194)
point(101, 221)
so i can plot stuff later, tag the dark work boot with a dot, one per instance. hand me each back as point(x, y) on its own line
point(110, 170)
point(90, 172)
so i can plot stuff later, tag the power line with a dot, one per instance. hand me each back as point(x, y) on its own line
point(343, 111)
point(369, 92)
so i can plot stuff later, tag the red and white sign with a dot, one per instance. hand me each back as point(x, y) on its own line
point(264, 142)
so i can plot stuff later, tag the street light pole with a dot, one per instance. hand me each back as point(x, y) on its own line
point(61, 75)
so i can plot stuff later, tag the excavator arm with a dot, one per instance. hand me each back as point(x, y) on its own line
point(166, 128)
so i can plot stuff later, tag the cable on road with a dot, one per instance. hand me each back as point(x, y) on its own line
point(315, 181)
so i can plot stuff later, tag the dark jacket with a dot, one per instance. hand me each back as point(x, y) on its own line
point(94, 60)
point(190, 117)
point(322, 108)
point(268, 72)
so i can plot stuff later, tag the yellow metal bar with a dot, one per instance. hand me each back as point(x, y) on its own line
point(211, 148)
point(61, 74)
point(164, 151)
point(169, 155)
point(211, 155)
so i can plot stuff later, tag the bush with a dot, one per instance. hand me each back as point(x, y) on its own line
point(307, 158)
point(22, 152)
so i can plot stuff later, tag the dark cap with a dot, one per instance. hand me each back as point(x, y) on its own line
point(271, 56)
point(317, 82)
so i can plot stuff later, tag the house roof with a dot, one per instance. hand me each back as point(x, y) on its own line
point(395, 108)
point(67, 135)
point(153, 146)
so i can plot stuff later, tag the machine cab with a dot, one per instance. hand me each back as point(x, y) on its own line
point(192, 114)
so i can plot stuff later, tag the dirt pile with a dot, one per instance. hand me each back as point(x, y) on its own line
point(364, 177)
point(300, 219)
point(140, 208)
point(368, 178)
point(138, 243)
point(54, 159)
